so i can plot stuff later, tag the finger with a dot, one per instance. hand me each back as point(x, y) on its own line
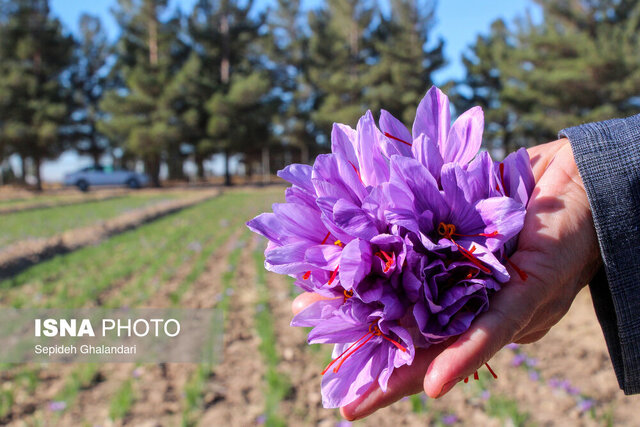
point(541, 156)
point(510, 311)
point(531, 337)
point(404, 381)
point(304, 300)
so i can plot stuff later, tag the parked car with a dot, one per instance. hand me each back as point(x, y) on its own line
point(99, 175)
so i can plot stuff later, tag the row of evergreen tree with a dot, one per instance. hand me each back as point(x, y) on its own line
point(228, 78)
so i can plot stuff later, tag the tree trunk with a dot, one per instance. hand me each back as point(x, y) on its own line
point(36, 167)
point(304, 154)
point(266, 166)
point(225, 65)
point(96, 154)
point(200, 164)
point(153, 37)
point(174, 163)
point(23, 170)
point(152, 168)
point(227, 172)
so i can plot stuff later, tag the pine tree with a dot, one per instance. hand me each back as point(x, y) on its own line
point(484, 83)
point(579, 65)
point(89, 82)
point(241, 108)
point(138, 114)
point(339, 46)
point(404, 65)
point(289, 50)
point(34, 102)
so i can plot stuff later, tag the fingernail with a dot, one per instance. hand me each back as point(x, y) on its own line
point(448, 386)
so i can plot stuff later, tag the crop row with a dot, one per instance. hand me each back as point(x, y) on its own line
point(137, 264)
point(42, 223)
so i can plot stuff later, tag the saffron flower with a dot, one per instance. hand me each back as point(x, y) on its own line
point(405, 234)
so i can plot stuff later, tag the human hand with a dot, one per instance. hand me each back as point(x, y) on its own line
point(558, 250)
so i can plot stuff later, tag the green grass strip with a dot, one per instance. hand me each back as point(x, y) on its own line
point(122, 401)
point(277, 384)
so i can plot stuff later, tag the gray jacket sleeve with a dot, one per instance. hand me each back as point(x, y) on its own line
point(608, 159)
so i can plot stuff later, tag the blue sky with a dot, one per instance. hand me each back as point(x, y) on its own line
point(458, 23)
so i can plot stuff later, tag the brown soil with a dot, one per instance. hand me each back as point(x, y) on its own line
point(235, 390)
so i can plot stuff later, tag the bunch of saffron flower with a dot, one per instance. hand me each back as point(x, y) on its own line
point(405, 234)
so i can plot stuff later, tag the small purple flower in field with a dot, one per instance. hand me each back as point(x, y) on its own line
point(261, 419)
point(343, 423)
point(449, 419)
point(485, 395)
point(531, 362)
point(554, 383)
point(512, 346)
point(518, 359)
point(57, 406)
point(534, 375)
point(585, 405)
point(405, 234)
point(137, 373)
point(574, 391)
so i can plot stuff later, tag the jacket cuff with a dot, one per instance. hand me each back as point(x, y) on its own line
point(608, 158)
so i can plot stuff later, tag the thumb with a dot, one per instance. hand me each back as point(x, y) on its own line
point(511, 309)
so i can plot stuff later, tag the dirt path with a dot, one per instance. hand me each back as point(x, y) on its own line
point(237, 381)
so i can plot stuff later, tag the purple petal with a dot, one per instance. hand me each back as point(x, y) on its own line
point(316, 312)
point(355, 263)
point(501, 214)
point(433, 117)
point(354, 220)
point(287, 259)
point(323, 256)
point(394, 127)
point(354, 377)
point(343, 142)
point(300, 221)
point(373, 167)
point(518, 176)
point(465, 137)
point(457, 193)
point(267, 224)
point(426, 152)
point(298, 174)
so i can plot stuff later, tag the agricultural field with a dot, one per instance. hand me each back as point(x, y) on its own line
point(46, 222)
point(202, 257)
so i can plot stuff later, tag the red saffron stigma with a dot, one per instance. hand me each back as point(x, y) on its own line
point(374, 331)
point(491, 370)
point(326, 238)
point(385, 257)
point(502, 179)
point(308, 273)
point(448, 231)
point(477, 377)
point(388, 135)
point(357, 171)
point(492, 234)
point(523, 275)
point(343, 353)
point(337, 368)
point(333, 276)
point(394, 342)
